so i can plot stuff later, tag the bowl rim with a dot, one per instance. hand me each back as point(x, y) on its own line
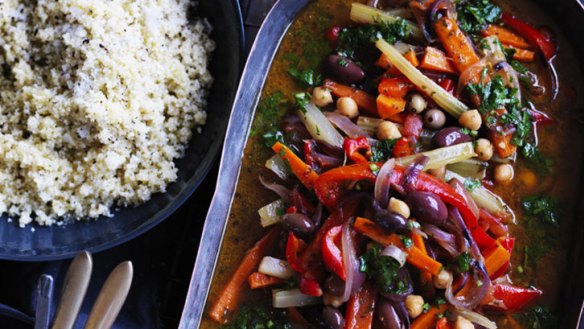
point(207, 162)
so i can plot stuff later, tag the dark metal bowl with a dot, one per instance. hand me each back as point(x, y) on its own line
point(36, 243)
point(569, 14)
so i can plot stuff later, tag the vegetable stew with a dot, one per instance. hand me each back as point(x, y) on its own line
point(410, 165)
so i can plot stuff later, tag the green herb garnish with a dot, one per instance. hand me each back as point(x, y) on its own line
point(474, 15)
point(382, 270)
point(352, 39)
point(541, 208)
point(259, 318)
point(382, 150)
point(538, 317)
point(471, 184)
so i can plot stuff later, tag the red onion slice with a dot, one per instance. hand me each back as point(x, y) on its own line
point(280, 190)
point(443, 5)
point(383, 183)
point(354, 277)
point(395, 253)
point(446, 240)
point(459, 187)
point(469, 75)
point(479, 289)
point(412, 172)
point(345, 125)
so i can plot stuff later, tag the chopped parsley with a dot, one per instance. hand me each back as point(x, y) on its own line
point(463, 262)
point(520, 68)
point(259, 318)
point(407, 241)
point(383, 270)
point(542, 208)
point(306, 77)
point(374, 168)
point(302, 100)
point(382, 150)
point(474, 15)
point(542, 164)
point(352, 39)
point(471, 184)
point(271, 137)
point(270, 109)
point(538, 317)
point(494, 94)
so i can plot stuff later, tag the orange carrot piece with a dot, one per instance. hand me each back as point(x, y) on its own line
point(390, 107)
point(502, 144)
point(304, 172)
point(506, 36)
point(428, 320)
point(260, 280)
point(383, 62)
point(423, 262)
point(435, 60)
point(376, 233)
point(412, 58)
point(418, 241)
point(456, 43)
point(232, 292)
point(415, 256)
point(365, 101)
point(496, 258)
point(359, 314)
point(523, 55)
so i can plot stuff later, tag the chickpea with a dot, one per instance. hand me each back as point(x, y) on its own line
point(471, 119)
point(434, 119)
point(414, 305)
point(400, 207)
point(334, 301)
point(417, 104)
point(321, 97)
point(347, 107)
point(503, 173)
point(463, 323)
point(442, 279)
point(484, 149)
point(388, 130)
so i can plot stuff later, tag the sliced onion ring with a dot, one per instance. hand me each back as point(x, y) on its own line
point(382, 183)
point(354, 277)
point(480, 286)
point(345, 125)
point(395, 253)
point(280, 190)
point(412, 172)
point(477, 318)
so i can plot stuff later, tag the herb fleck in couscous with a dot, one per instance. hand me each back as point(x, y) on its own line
point(97, 98)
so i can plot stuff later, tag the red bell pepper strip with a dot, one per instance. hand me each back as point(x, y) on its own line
point(413, 126)
point(331, 253)
point(495, 226)
point(540, 117)
point(359, 314)
point(511, 299)
point(443, 324)
point(329, 187)
point(293, 248)
point(309, 286)
point(354, 147)
point(536, 38)
point(483, 240)
point(403, 147)
point(447, 85)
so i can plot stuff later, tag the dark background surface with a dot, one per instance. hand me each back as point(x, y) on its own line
point(163, 258)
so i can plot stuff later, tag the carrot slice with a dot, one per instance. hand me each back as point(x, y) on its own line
point(418, 241)
point(502, 144)
point(260, 280)
point(383, 62)
point(496, 258)
point(436, 60)
point(365, 101)
point(359, 314)
point(415, 256)
point(428, 320)
point(506, 36)
point(231, 294)
point(412, 58)
point(456, 43)
point(304, 172)
point(523, 55)
point(390, 107)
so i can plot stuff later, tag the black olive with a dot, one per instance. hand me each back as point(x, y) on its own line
point(333, 317)
point(450, 136)
point(392, 221)
point(298, 224)
point(427, 207)
point(344, 70)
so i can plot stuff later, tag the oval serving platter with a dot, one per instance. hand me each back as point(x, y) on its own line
point(38, 243)
point(218, 242)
